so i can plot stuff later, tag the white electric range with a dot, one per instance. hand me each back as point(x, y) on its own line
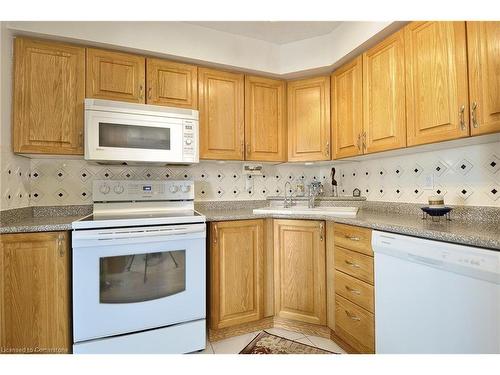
point(139, 264)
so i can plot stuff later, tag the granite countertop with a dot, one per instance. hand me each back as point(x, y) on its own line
point(479, 227)
point(484, 234)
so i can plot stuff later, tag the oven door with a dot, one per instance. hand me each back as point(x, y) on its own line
point(133, 279)
point(113, 136)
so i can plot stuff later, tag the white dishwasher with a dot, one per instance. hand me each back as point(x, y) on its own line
point(435, 297)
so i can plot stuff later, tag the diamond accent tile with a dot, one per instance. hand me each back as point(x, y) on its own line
point(203, 175)
point(220, 175)
point(398, 171)
point(492, 164)
point(106, 174)
point(61, 194)
point(220, 192)
point(416, 169)
point(128, 174)
point(36, 195)
point(167, 174)
point(263, 191)
point(276, 191)
point(149, 174)
point(417, 191)
point(464, 192)
point(60, 174)
point(381, 172)
point(463, 166)
point(85, 195)
point(184, 175)
point(493, 191)
point(354, 173)
point(439, 167)
point(398, 191)
point(84, 174)
point(380, 191)
point(235, 191)
point(276, 177)
point(36, 174)
point(440, 190)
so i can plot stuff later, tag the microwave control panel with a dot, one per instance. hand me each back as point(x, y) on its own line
point(189, 143)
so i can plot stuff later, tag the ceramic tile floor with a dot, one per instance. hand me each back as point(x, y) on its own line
point(234, 345)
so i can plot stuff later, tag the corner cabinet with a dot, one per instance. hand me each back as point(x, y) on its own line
point(309, 119)
point(299, 270)
point(171, 84)
point(436, 82)
point(236, 272)
point(115, 76)
point(49, 88)
point(35, 293)
point(221, 106)
point(483, 43)
point(265, 119)
point(347, 109)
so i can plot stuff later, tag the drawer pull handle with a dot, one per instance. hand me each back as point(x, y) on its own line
point(352, 238)
point(353, 291)
point(351, 316)
point(349, 263)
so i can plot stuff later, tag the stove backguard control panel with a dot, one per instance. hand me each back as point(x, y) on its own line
point(124, 190)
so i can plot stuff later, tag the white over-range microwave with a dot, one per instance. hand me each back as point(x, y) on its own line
point(129, 133)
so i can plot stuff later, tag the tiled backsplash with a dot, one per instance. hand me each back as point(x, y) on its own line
point(466, 176)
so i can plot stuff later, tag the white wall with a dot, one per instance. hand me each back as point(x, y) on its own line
point(194, 43)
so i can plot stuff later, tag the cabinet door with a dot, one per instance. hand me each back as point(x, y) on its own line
point(237, 271)
point(221, 106)
point(384, 114)
point(49, 89)
point(171, 84)
point(35, 292)
point(483, 42)
point(347, 109)
point(115, 75)
point(436, 82)
point(299, 270)
point(265, 119)
point(309, 119)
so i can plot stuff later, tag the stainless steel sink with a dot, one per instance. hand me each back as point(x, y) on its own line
point(320, 211)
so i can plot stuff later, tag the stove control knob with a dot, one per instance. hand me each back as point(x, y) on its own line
point(173, 189)
point(104, 189)
point(185, 188)
point(119, 189)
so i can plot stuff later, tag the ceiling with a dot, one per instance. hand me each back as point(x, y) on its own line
point(277, 32)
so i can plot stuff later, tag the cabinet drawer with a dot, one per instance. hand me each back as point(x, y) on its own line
point(354, 290)
point(353, 238)
point(356, 323)
point(354, 264)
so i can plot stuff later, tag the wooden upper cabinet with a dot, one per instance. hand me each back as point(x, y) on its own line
point(300, 270)
point(484, 76)
point(309, 119)
point(436, 82)
point(35, 305)
point(221, 106)
point(265, 119)
point(236, 272)
point(115, 75)
point(171, 83)
point(384, 114)
point(49, 89)
point(347, 109)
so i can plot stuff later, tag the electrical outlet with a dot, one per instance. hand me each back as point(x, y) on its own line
point(429, 181)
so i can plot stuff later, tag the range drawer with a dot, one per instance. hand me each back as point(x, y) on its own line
point(353, 238)
point(354, 264)
point(354, 290)
point(353, 322)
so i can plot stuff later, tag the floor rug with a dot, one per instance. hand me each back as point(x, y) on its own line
point(267, 343)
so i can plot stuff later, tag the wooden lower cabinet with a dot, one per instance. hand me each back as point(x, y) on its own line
point(350, 287)
point(35, 293)
point(299, 270)
point(236, 272)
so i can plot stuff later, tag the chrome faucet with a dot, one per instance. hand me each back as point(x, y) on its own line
point(287, 203)
point(315, 188)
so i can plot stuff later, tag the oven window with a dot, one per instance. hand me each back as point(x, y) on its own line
point(142, 277)
point(132, 136)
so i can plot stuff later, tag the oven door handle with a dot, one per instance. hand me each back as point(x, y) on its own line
point(110, 235)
